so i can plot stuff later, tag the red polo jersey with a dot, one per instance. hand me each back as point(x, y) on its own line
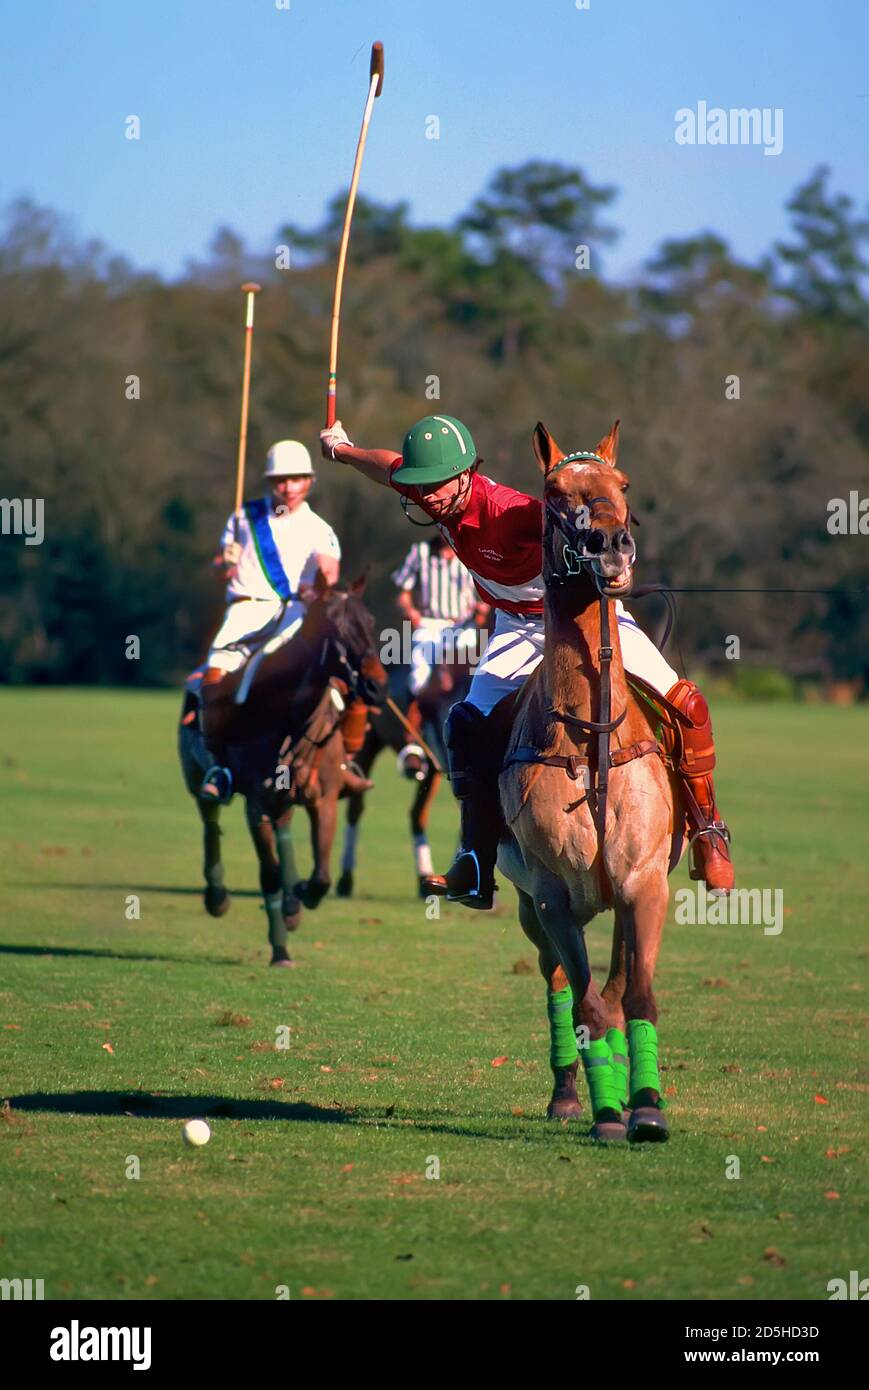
point(499, 538)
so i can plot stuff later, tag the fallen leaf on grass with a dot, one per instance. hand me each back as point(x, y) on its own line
point(629, 1283)
point(325, 1069)
point(347, 1168)
point(499, 1061)
point(836, 1153)
point(821, 1100)
point(517, 1111)
point(832, 1196)
point(308, 1292)
point(764, 1158)
point(230, 1020)
point(522, 967)
point(716, 982)
point(107, 1047)
point(276, 1083)
point(773, 1257)
point(731, 1066)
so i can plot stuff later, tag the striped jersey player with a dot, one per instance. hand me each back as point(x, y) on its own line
point(438, 598)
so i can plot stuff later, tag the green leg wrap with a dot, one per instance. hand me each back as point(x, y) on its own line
point(286, 855)
point(600, 1074)
point(643, 1048)
point(275, 914)
point(618, 1047)
point(562, 1039)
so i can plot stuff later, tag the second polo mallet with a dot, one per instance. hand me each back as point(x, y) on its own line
point(251, 290)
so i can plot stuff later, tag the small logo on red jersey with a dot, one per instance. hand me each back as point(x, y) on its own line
point(490, 554)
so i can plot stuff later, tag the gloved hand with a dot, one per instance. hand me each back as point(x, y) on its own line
point(332, 437)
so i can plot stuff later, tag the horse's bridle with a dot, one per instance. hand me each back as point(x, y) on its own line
point(359, 686)
point(574, 560)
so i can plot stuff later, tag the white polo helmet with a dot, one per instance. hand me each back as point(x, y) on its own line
point(288, 458)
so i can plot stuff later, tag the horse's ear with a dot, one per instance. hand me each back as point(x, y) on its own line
point(321, 584)
point(608, 448)
point(545, 448)
point(357, 588)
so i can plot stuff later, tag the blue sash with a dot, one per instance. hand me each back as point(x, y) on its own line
point(258, 512)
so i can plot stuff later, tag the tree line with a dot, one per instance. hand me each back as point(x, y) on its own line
point(743, 391)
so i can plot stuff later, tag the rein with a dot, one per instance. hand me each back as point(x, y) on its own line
point(603, 727)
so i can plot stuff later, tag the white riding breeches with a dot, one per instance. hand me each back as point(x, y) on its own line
point(516, 647)
point(437, 641)
point(245, 620)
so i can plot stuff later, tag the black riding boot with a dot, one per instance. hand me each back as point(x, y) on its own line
point(471, 878)
point(216, 712)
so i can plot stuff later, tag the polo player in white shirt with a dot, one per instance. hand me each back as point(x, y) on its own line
point(270, 557)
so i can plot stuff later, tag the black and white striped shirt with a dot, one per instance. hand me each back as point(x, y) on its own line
point(446, 588)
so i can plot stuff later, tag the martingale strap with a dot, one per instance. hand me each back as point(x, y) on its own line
point(257, 513)
point(575, 763)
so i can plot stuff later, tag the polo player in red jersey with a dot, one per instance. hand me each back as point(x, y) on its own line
point(497, 533)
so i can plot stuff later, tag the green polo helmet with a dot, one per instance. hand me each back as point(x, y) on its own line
point(436, 449)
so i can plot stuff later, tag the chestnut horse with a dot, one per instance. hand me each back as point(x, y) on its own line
point(285, 750)
point(587, 829)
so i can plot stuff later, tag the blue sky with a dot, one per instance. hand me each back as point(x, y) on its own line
point(250, 114)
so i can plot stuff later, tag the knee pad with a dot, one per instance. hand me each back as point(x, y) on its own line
point(698, 748)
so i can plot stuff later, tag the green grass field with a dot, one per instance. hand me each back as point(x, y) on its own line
point(316, 1173)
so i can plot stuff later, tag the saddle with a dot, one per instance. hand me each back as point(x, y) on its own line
point(580, 768)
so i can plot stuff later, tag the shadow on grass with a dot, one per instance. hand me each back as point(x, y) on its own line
point(145, 1106)
point(125, 888)
point(48, 951)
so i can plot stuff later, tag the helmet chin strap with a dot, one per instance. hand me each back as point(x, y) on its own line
point(452, 508)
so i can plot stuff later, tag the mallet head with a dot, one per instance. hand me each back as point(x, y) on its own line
point(377, 66)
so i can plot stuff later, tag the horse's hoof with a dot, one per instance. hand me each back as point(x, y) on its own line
point(344, 886)
point(648, 1124)
point(609, 1129)
point(217, 901)
point(281, 956)
point(565, 1108)
point(312, 892)
point(291, 909)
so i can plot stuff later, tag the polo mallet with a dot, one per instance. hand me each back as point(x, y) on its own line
point(415, 735)
point(375, 87)
point(250, 289)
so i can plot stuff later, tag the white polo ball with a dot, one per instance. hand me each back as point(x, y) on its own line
point(196, 1133)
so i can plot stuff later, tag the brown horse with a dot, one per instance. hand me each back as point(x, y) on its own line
point(286, 749)
point(448, 683)
point(588, 830)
